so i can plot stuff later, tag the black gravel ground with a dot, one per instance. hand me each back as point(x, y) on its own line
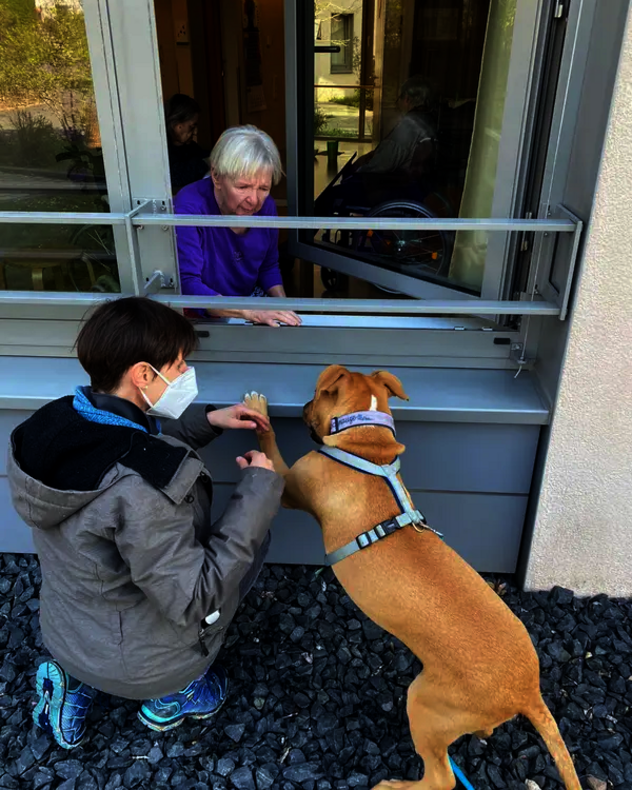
point(317, 699)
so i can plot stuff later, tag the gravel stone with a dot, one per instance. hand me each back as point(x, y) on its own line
point(317, 699)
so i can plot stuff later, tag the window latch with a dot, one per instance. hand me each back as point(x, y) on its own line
point(559, 11)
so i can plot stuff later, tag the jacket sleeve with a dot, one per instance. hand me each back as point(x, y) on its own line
point(184, 579)
point(193, 427)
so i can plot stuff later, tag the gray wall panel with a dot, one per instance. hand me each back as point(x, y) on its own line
point(15, 536)
point(485, 529)
point(8, 421)
point(438, 457)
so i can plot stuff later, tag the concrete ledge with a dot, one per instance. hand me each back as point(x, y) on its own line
point(445, 395)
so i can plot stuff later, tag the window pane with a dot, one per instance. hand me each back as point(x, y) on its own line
point(430, 82)
point(342, 36)
point(50, 151)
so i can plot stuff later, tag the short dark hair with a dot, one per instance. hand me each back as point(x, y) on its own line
point(122, 332)
point(180, 108)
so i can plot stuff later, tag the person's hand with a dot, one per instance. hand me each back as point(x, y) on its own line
point(272, 317)
point(238, 416)
point(254, 459)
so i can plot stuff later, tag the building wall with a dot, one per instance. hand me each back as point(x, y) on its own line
point(582, 536)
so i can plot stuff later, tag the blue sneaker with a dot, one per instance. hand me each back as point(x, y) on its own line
point(201, 699)
point(63, 704)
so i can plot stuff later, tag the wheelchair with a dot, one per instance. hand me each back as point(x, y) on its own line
point(422, 252)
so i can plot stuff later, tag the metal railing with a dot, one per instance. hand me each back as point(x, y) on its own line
point(135, 219)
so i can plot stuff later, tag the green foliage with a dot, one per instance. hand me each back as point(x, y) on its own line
point(354, 99)
point(320, 120)
point(42, 59)
point(33, 143)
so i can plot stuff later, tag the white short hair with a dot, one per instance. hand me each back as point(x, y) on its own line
point(243, 152)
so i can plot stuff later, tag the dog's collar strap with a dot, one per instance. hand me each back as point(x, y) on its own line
point(389, 472)
point(360, 419)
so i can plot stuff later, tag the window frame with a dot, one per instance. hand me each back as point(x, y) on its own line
point(347, 66)
point(145, 248)
point(518, 126)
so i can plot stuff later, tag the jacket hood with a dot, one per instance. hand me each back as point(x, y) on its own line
point(58, 461)
point(39, 505)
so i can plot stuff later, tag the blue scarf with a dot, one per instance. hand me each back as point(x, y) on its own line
point(82, 406)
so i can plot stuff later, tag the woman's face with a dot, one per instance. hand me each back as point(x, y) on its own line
point(242, 196)
point(182, 133)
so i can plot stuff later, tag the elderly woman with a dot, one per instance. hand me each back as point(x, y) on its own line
point(138, 584)
point(234, 261)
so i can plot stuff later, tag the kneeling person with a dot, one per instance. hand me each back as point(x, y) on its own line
point(138, 586)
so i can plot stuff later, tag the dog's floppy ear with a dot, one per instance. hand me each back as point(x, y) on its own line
point(329, 379)
point(391, 382)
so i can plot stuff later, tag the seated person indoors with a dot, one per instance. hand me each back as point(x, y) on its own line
point(234, 261)
point(188, 161)
point(401, 167)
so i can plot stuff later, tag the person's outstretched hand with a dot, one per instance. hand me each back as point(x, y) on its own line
point(272, 317)
point(238, 416)
point(255, 459)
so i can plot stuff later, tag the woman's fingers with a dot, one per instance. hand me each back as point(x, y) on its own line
point(276, 317)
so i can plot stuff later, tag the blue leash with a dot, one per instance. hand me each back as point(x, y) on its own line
point(460, 775)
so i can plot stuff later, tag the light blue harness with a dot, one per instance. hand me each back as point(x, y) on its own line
point(389, 472)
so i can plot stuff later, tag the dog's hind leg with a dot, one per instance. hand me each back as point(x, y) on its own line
point(432, 732)
point(434, 725)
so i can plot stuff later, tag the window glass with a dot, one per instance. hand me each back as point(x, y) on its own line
point(50, 151)
point(342, 37)
point(405, 105)
point(422, 141)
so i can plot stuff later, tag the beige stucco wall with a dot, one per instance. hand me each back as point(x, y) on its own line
point(583, 523)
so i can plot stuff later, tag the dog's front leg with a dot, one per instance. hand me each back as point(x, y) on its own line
point(293, 496)
point(267, 440)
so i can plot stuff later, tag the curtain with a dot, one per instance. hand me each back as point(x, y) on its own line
point(470, 249)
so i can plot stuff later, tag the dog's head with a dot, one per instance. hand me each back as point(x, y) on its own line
point(340, 392)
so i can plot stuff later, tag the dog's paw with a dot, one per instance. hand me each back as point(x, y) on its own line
point(256, 402)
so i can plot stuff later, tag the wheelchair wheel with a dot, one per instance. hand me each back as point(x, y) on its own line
point(430, 249)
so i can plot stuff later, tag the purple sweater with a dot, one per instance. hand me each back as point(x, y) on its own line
point(216, 261)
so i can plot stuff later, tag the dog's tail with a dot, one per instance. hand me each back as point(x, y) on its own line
point(541, 718)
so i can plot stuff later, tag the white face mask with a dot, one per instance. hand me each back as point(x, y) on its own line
point(179, 394)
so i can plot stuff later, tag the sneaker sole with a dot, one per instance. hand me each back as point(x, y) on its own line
point(177, 722)
point(49, 702)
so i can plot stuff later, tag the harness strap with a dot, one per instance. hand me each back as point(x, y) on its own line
point(371, 536)
point(389, 473)
point(361, 418)
point(361, 464)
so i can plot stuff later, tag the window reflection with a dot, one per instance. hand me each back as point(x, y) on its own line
point(50, 151)
point(424, 140)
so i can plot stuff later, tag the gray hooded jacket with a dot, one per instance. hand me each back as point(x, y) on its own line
point(130, 571)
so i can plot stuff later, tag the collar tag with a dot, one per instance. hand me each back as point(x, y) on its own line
point(361, 418)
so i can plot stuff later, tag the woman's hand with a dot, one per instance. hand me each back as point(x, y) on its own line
point(254, 459)
point(272, 317)
point(238, 416)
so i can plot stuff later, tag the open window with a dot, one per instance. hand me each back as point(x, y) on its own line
point(430, 125)
point(446, 225)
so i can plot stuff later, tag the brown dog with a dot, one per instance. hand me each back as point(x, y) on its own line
point(479, 665)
